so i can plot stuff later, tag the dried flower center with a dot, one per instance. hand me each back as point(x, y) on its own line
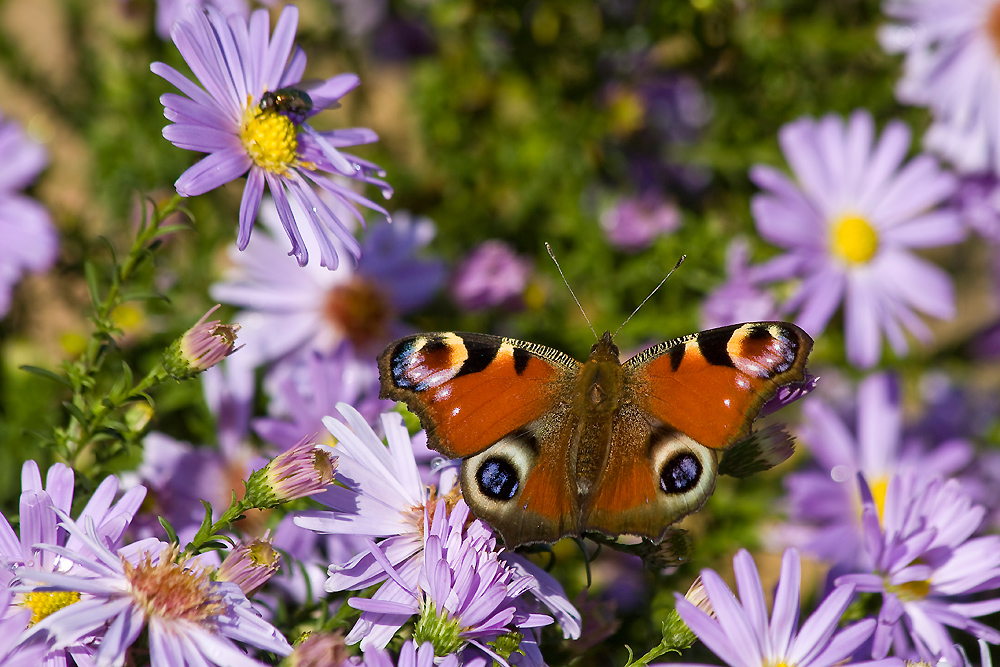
point(360, 310)
point(270, 139)
point(992, 26)
point(854, 240)
point(170, 591)
point(45, 603)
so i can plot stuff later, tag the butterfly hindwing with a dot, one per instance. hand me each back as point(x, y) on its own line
point(711, 385)
point(470, 390)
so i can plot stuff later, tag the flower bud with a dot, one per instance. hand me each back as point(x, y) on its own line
point(250, 565)
point(303, 470)
point(201, 347)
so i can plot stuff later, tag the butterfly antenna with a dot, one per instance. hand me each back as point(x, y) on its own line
point(566, 282)
point(669, 273)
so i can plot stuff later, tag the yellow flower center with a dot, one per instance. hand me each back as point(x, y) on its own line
point(44, 603)
point(878, 489)
point(911, 590)
point(169, 590)
point(854, 240)
point(270, 139)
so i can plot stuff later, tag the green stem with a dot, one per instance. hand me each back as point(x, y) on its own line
point(78, 435)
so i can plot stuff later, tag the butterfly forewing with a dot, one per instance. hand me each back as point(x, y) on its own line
point(470, 390)
point(711, 385)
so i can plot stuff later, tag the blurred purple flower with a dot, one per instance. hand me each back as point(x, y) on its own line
point(291, 311)
point(849, 224)
point(300, 396)
point(740, 299)
point(926, 564)
point(191, 619)
point(245, 131)
point(492, 275)
point(169, 11)
point(951, 66)
point(179, 475)
point(30, 241)
point(741, 634)
point(824, 501)
point(632, 223)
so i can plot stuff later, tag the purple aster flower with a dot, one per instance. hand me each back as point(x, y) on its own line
point(464, 593)
point(633, 222)
point(849, 222)
point(410, 655)
point(824, 502)
point(741, 634)
point(250, 117)
point(191, 619)
point(740, 299)
point(926, 565)
point(952, 67)
point(30, 240)
point(301, 395)
point(39, 521)
point(492, 275)
point(12, 625)
point(381, 496)
point(289, 311)
point(169, 11)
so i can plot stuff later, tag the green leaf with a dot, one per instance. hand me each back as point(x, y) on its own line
point(75, 412)
point(171, 533)
point(92, 283)
point(46, 373)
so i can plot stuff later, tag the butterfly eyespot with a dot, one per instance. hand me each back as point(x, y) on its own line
point(497, 479)
point(681, 473)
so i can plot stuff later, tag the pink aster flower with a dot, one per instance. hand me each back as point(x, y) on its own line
point(926, 564)
point(742, 635)
point(191, 619)
point(31, 243)
point(250, 117)
point(951, 66)
point(849, 222)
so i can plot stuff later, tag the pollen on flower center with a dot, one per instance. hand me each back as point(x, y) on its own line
point(270, 139)
point(169, 590)
point(854, 239)
point(358, 309)
point(44, 603)
point(878, 488)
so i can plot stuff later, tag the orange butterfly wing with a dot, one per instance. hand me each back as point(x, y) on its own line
point(711, 385)
point(470, 390)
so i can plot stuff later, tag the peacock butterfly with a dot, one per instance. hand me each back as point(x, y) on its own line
point(552, 447)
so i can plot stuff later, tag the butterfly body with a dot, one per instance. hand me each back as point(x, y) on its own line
point(554, 447)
